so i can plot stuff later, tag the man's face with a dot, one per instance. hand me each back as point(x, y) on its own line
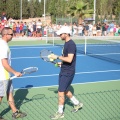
point(9, 35)
point(63, 36)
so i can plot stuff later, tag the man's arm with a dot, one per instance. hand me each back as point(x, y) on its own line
point(68, 59)
point(9, 68)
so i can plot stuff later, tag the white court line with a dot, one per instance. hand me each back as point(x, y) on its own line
point(77, 55)
point(75, 73)
point(25, 57)
point(74, 84)
point(32, 47)
point(104, 54)
point(33, 57)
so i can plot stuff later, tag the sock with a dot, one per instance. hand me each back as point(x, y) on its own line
point(60, 108)
point(74, 100)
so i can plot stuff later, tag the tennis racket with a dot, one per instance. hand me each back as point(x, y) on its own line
point(28, 70)
point(44, 55)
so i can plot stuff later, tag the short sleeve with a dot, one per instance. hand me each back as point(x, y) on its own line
point(3, 52)
point(72, 48)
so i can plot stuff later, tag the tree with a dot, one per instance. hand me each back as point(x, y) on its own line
point(10, 11)
point(52, 9)
point(81, 10)
point(25, 9)
point(116, 9)
point(38, 9)
point(31, 8)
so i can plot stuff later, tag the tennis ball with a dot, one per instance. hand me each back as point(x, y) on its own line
point(56, 65)
point(52, 54)
point(49, 56)
point(51, 59)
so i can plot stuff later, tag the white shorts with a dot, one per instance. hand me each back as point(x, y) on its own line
point(94, 32)
point(98, 30)
point(111, 29)
point(6, 87)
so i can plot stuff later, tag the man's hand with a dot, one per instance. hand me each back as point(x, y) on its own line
point(53, 56)
point(18, 74)
point(59, 64)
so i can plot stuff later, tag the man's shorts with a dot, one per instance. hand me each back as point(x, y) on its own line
point(65, 82)
point(6, 87)
point(38, 30)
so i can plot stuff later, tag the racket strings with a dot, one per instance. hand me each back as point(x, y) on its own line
point(44, 54)
point(29, 70)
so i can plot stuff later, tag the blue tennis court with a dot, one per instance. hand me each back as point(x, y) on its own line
point(96, 83)
point(88, 69)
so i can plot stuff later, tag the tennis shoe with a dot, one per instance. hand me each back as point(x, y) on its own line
point(57, 115)
point(1, 118)
point(18, 114)
point(77, 107)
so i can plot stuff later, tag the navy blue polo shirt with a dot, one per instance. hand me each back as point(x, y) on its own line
point(69, 68)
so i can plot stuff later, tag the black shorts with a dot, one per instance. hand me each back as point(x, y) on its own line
point(21, 31)
point(38, 30)
point(14, 31)
point(65, 82)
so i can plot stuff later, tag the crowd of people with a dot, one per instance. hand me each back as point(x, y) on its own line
point(36, 28)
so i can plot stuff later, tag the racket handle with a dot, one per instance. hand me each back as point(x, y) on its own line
point(11, 78)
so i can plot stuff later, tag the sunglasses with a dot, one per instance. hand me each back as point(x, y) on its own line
point(10, 34)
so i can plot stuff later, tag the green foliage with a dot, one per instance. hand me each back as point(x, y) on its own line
point(60, 8)
point(80, 9)
point(116, 9)
point(25, 9)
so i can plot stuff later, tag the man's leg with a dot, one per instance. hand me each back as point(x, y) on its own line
point(1, 118)
point(77, 104)
point(61, 100)
point(16, 113)
point(10, 100)
point(0, 99)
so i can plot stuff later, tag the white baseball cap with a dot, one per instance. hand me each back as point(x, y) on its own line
point(64, 29)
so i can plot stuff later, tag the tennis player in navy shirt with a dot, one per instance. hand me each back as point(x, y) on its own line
point(67, 73)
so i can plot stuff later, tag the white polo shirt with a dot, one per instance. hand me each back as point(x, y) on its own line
point(4, 53)
point(39, 24)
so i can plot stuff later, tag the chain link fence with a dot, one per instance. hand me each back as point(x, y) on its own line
point(103, 105)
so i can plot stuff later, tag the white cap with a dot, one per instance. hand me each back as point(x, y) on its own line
point(64, 29)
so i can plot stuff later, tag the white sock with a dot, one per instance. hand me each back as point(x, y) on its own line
point(60, 108)
point(74, 100)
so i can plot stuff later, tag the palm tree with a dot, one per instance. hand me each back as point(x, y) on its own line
point(81, 10)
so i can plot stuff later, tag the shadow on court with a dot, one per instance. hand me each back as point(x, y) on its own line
point(19, 97)
point(67, 100)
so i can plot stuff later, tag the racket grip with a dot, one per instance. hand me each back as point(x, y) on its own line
point(13, 77)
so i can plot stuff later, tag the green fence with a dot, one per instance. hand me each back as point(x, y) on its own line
point(104, 105)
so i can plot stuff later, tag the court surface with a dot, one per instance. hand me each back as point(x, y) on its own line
point(96, 84)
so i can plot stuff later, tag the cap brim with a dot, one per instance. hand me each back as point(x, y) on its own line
point(58, 32)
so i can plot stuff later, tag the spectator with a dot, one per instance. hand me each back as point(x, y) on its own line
point(98, 27)
point(94, 30)
point(80, 30)
point(39, 28)
point(86, 30)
